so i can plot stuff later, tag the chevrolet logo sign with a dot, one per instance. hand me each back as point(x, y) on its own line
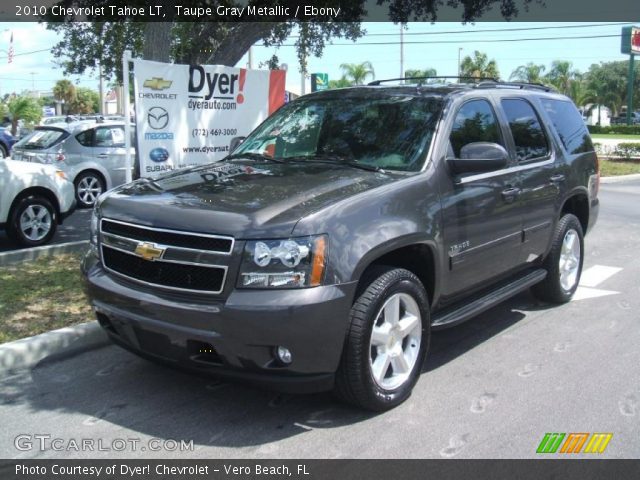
point(157, 83)
point(149, 251)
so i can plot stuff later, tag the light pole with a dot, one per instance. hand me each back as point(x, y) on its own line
point(459, 66)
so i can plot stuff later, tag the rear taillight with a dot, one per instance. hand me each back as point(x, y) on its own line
point(597, 175)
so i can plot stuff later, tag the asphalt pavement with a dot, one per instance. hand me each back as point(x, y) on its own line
point(491, 387)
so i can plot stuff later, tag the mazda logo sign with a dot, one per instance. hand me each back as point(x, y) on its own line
point(157, 118)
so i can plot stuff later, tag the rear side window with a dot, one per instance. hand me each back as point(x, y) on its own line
point(43, 138)
point(474, 122)
point(569, 125)
point(528, 135)
point(86, 138)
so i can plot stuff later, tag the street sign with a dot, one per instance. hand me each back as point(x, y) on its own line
point(630, 42)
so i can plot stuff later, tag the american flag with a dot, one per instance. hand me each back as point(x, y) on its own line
point(10, 52)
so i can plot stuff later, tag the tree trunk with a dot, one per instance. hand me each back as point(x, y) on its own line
point(157, 39)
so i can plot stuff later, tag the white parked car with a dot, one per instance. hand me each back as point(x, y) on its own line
point(34, 199)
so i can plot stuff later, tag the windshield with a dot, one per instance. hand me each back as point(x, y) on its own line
point(42, 138)
point(392, 132)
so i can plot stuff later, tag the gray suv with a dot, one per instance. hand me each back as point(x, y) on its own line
point(324, 250)
point(91, 154)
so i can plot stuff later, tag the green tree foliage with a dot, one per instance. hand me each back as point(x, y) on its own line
point(23, 108)
point(64, 91)
point(340, 83)
point(103, 40)
point(86, 101)
point(357, 73)
point(562, 75)
point(416, 73)
point(479, 66)
point(530, 73)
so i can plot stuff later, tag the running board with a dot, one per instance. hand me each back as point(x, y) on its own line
point(449, 318)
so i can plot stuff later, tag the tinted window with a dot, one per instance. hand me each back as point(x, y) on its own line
point(474, 122)
point(85, 138)
point(569, 125)
point(528, 135)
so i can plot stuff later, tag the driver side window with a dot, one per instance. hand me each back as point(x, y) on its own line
point(474, 122)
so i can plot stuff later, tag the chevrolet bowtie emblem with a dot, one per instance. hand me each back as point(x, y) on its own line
point(157, 83)
point(149, 251)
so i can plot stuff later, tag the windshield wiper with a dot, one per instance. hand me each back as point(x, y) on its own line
point(335, 160)
point(253, 156)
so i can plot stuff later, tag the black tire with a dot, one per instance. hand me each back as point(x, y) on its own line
point(85, 180)
point(355, 381)
point(36, 235)
point(4, 151)
point(551, 289)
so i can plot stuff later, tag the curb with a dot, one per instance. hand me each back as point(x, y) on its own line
point(57, 344)
point(620, 178)
point(29, 254)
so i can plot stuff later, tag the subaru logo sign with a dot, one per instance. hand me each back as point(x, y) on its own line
point(159, 155)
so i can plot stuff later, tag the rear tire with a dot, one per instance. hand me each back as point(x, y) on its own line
point(564, 262)
point(387, 341)
point(33, 221)
point(4, 151)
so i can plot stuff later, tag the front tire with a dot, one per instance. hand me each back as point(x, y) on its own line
point(564, 262)
point(33, 221)
point(89, 186)
point(387, 341)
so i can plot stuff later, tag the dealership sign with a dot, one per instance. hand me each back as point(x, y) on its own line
point(187, 114)
point(630, 40)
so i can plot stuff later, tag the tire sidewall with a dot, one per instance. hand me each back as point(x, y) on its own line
point(79, 179)
point(567, 222)
point(404, 284)
point(16, 232)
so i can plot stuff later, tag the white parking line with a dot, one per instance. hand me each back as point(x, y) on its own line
point(594, 276)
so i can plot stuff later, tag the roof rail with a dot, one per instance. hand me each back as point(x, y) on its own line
point(378, 82)
point(520, 85)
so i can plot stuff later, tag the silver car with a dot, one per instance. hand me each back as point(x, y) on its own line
point(91, 154)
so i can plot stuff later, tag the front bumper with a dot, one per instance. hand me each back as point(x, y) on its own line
point(236, 337)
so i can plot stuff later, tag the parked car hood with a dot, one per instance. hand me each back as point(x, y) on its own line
point(245, 199)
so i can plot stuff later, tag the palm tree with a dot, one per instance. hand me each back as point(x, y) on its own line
point(561, 75)
point(357, 73)
point(341, 83)
point(65, 92)
point(530, 73)
point(23, 108)
point(479, 66)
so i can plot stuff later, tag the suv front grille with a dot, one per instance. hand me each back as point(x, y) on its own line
point(213, 243)
point(136, 252)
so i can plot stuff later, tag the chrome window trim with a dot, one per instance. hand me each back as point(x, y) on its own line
point(498, 173)
point(179, 232)
point(143, 282)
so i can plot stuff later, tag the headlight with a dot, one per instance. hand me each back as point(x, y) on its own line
point(289, 263)
point(93, 230)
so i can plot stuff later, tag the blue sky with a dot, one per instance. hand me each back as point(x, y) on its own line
point(39, 69)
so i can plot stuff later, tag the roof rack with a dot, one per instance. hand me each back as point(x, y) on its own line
point(378, 82)
point(519, 85)
point(483, 82)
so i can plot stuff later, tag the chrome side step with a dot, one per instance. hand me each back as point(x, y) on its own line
point(449, 318)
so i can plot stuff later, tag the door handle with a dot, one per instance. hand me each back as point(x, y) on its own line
point(558, 178)
point(510, 194)
point(103, 155)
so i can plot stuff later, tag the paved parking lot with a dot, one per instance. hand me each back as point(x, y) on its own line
point(491, 388)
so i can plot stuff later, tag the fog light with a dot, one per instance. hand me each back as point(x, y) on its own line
point(284, 355)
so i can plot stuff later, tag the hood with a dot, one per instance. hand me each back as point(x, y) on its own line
point(245, 199)
point(28, 168)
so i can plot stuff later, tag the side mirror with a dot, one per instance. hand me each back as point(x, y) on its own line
point(235, 142)
point(479, 157)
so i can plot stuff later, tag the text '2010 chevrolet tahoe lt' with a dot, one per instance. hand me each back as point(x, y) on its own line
point(323, 251)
